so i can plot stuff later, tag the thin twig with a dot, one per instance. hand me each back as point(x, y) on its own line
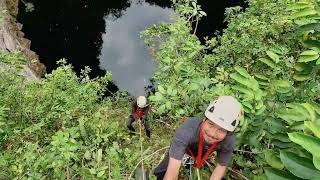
point(23, 175)
point(167, 124)
point(113, 94)
point(195, 29)
point(238, 173)
point(133, 132)
point(68, 176)
point(247, 151)
point(109, 170)
point(147, 158)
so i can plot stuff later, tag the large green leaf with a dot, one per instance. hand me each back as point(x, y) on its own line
point(314, 126)
point(262, 76)
point(275, 174)
point(311, 26)
point(247, 104)
point(273, 56)
point(282, 86)
point(272, 159)
point(301, 77)
point(298, 5)
point(282, 137)
point(156, 98)
point(304, 12)
point(245, 81)
point(268, 62)
point(261, 110)
point(297, 126)
point(300, 66)
point(309, 55)
point(161, 90)
point(281, 144)
point(291, 115)
point(316, 107)
point(299, 166)
point(298, 108)
point(242, 89)
point(311, 111)
point(276, 126)
point(242, 71)
point(311, 144)
point(312, 43)
point(316, 162)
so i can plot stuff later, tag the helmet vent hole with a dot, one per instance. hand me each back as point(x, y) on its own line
point(211, 109)
point(234, 123)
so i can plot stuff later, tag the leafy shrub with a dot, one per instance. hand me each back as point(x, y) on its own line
point(63, 127)
point(267, 58)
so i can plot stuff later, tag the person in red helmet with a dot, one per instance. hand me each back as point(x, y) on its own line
point(139, 110)
point(197, 138)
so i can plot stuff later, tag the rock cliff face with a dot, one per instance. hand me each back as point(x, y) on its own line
point(12, 39)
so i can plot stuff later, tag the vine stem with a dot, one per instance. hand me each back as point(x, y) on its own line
point(23, 175)
point(195, 29)
point(147, 158)
point(241, 175)
point(166, 124)
point(248, 151)
point(67, 169)
point(141, 149)
point(236, 172)
point(109, 169)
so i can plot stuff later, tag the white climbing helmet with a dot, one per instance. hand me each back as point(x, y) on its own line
point(225, 112)
point(141, 101)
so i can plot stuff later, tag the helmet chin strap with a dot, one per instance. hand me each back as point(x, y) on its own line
point(199, 159)
point(205, 119)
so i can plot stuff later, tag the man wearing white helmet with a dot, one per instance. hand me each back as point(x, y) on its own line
point(139, 110)
point(198, 138)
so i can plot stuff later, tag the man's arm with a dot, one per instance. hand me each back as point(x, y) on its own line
point(133, 106)
point(145, 113)
point(173, 169)
point(218, 172)
point(180, 142)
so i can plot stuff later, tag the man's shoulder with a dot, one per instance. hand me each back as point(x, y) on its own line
point(188, 129)
point(229, 142)
point(191, 122)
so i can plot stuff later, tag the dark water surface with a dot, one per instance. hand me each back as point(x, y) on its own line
point(104, 34)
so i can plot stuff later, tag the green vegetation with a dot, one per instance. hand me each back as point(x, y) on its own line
point(268, 58)
point(62, 127)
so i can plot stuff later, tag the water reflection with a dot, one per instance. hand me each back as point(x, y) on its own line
point(104, 34)
point(69, 29)
point(124, 53)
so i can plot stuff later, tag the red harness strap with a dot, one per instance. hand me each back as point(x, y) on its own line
point(139, 113)
point(199, 160)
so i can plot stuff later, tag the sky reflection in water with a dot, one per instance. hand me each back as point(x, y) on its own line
point(124, 52)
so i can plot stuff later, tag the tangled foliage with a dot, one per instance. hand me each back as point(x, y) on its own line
point(267, 57)
point(61, 127)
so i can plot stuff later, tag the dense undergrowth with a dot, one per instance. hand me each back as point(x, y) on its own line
point(267, 57)
point(62, 127)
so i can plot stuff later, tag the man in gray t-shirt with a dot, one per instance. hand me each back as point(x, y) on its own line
point(200, 137)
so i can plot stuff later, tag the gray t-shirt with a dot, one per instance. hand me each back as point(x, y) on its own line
point(187, 136)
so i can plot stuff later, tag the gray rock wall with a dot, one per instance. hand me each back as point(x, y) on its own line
point(12, 39)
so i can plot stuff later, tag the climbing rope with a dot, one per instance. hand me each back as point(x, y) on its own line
point(141, 149)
